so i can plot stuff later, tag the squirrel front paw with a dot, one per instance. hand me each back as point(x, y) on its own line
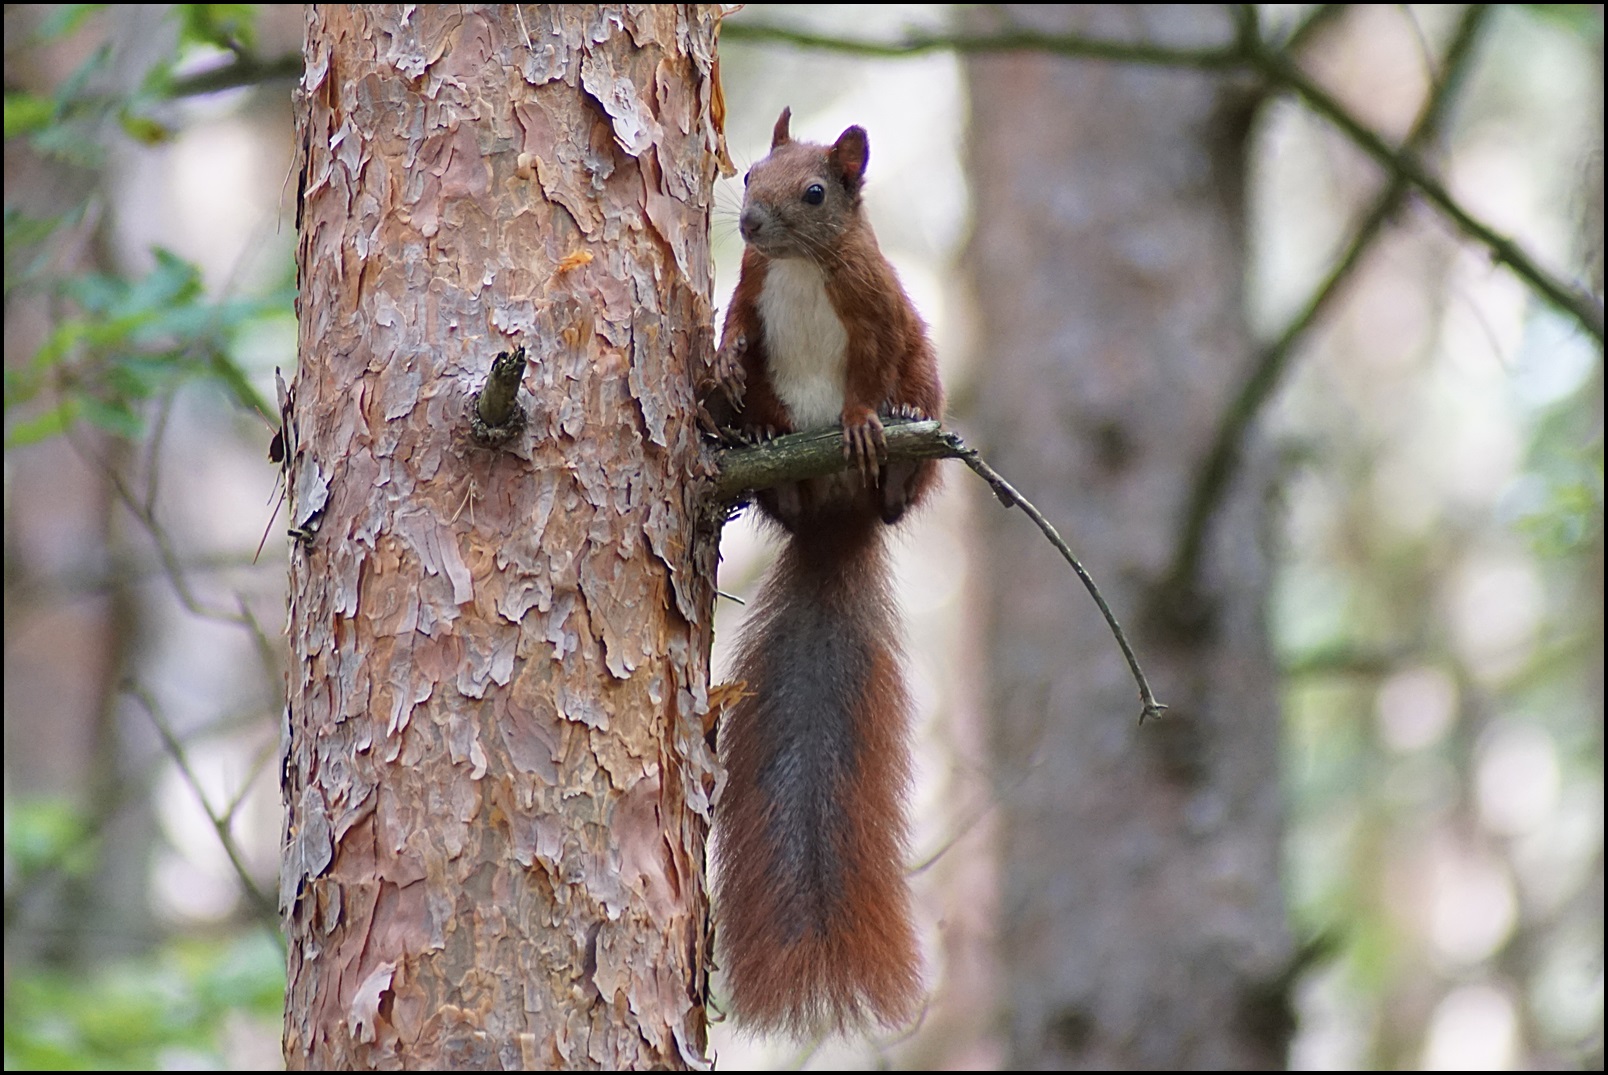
point(727, 374)
point(720, 393)
point(864, 443)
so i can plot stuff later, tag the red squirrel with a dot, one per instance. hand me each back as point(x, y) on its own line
point(812, 907)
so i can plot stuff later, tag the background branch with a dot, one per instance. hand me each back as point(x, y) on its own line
point(244, 70)
point(1249, 52)
point(1219, 466)
point(1009, 39)
point(1404, 164)
point(263, 906)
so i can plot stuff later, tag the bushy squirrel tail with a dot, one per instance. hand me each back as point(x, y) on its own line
point(813, 912)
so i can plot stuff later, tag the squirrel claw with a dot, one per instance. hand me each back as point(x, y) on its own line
point(909, 411)
point(727, 373)
point(864, 444)
point(707, 423)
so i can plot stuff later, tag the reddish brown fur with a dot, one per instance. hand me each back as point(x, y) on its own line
point(891, 363)
point(820, 938)
point(813, 910)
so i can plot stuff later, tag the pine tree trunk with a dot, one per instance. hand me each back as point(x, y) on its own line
point(1142, 918)
point(495, 765)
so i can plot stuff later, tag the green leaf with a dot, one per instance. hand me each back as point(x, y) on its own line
point(226, 26)
point(173, 281)
point(144, 129)
point(114, 416)
point(51, 423)
point(238, 386)
point(74, 87)
point(27, 113)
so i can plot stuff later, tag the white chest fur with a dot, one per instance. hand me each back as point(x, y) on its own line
point(804, 342)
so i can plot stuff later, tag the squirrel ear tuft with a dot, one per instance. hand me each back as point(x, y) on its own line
point(780, 135)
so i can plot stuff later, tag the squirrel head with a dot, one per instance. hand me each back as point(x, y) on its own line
point(802, 198)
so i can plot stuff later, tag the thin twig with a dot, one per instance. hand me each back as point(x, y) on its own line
point(959, 833)
point(799, 456)
point(269, 652)
point(264, 907)
point(143, 513)
point(1008, 495)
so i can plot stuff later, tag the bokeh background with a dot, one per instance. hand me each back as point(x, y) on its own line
point(1438, 607)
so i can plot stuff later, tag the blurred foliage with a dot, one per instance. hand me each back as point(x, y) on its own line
point(119, 342)
point(1440, 603)
point(175, 1006)
point(46, 835)
point(1585, 20)
point(67, 124)
point(132, 341)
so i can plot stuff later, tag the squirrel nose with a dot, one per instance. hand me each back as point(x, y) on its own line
point(750, 222)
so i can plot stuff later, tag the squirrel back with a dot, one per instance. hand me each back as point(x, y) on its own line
point(813, 912)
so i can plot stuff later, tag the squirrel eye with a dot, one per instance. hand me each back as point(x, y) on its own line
point(814, 194)
point(745, 177)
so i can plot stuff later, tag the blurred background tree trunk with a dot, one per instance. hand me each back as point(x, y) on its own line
point(1142, 923)
point(77, 625)
point(497, 777)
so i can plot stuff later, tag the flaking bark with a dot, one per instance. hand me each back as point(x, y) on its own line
point(494, 763)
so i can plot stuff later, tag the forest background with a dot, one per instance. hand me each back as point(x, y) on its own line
point(1436, 608)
